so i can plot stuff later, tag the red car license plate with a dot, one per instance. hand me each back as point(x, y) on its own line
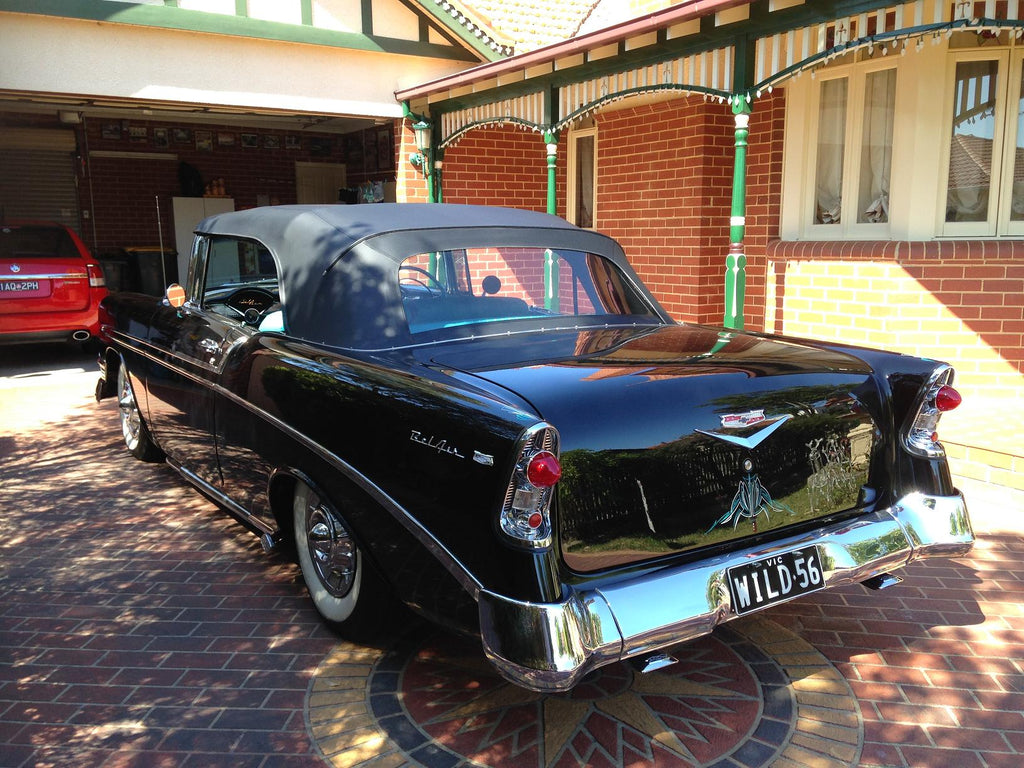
point(775, 579)
point(19, 287)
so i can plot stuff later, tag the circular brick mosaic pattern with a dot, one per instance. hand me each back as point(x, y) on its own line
point(753, 694)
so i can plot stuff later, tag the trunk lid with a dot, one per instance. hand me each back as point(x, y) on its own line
point(675, 439)
point(41, 270)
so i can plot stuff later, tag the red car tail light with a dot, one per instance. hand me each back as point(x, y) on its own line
point(543, 469)
point(96, 279)
point(947, 398)
point(526, 513)
point(921, 436)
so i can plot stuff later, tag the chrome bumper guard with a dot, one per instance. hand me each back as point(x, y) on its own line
point(551, 646)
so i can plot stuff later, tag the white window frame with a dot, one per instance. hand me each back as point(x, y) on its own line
point(572, 160)
point(1004, 142)
point(848, 228)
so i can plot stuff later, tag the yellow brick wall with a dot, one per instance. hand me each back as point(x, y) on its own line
point(914, 310)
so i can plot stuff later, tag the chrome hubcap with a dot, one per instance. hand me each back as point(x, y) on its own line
point(131, 421)
point(331, 549)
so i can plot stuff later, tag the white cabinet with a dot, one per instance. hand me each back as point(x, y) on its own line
point(188, 212)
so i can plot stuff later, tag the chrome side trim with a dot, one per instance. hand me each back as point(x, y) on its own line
point(22, 277)
point(236, 509)
point(550, 646)
point(453, 565)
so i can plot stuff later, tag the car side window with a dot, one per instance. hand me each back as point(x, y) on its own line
point(241, 282)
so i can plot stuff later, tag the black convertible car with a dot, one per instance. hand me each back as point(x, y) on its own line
point(484, 412)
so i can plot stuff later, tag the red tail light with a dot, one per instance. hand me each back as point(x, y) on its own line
point(947, 398)
point(526, 512)
point(921, 435)
point(544, 470)
point(96, 279)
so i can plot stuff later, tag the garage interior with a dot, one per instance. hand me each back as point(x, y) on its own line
point(134, 178)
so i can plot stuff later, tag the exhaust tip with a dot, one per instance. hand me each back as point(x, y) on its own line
point(653, 662)
point(81, 335)
point(882, 581)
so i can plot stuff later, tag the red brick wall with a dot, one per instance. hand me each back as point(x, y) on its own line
point(664, 191)
point(502, 166)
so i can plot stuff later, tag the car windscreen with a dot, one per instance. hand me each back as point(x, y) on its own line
point(480, 285)
point(36, 242)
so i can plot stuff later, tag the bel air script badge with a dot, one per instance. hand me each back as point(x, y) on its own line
point(441, 446)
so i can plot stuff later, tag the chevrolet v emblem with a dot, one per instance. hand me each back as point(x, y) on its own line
point(751, 441)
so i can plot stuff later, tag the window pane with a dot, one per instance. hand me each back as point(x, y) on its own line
point(831, 138)
point(1017, 199)
point(970, 151)
point(876, 149)
point(514, 284)
point(584, 182)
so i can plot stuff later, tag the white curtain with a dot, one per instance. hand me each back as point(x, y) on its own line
point(831, 140)
point(876, 146)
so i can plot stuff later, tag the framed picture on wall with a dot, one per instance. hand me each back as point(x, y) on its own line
point(250, 140)
point(271, 142)
point(160, 138)
point(204, 141)
point(138, 133)
point(292, 142)
point(385, 150)
point(320, 147)
point(369, 151)
point(111, 131)
point(181, 135)
point(225, 139)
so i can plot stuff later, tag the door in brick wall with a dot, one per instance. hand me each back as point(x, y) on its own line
point(319, 182)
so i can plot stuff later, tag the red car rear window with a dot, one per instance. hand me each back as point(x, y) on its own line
point(36, 242)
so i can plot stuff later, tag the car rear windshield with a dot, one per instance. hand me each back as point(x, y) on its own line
point(36, 242)
point(468, 286)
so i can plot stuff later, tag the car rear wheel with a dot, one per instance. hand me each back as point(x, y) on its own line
point(133, 427)
point(340, 581)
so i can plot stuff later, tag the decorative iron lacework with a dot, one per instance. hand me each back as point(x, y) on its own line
point(778, 57)
point(527, 111)
point(788, 53)
point(708, 73)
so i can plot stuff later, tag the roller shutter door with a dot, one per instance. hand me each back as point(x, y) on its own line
point(37, 176)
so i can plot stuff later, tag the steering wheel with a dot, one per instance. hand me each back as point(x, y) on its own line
point(438, 288)
point(251, 304)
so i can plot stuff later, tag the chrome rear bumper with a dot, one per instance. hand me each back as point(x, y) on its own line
point(550, 646)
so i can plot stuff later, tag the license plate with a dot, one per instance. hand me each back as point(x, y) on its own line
point(775, 579)
point(19, 286)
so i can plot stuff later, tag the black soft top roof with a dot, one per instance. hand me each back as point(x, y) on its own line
point(338, 264)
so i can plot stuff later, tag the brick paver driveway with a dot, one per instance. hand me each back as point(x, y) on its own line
point(139, 626)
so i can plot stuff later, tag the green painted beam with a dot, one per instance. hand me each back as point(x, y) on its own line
point(171, 17)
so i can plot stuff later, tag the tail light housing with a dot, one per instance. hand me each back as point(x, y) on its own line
point(96, 278)
point(526, 512)
point(921, 436)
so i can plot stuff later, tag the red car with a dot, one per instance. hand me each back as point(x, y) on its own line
point(50, 286)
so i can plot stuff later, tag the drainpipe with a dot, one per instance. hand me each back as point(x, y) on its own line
point(736, 261)
point(550, 259)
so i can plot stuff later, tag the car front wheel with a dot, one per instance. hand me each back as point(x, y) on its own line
point(133, 427)
point(335, 571)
